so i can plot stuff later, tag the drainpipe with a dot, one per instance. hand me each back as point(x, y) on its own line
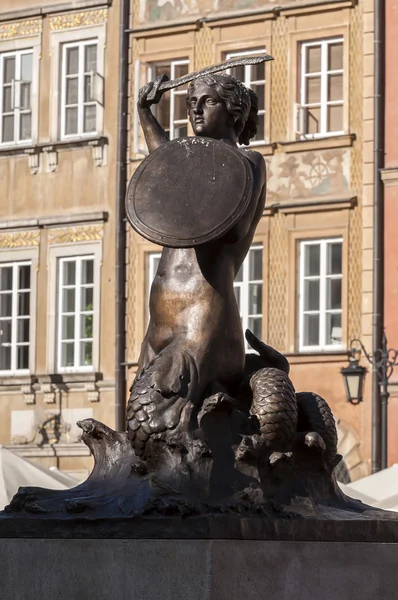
point(120, 267)
point(379, 410)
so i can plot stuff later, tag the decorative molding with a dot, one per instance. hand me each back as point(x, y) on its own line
point(80, 19)
point(19, 239)
point(389, 176)
point(70, 235)
point(33, 160)
point(48, 390)
point(305, 206)
point(28, 394)
point(51, 158)
point(20, 29)
point(325, 143)
point(92, 391)
point(100, 153)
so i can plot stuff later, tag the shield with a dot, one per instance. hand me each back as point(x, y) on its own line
point(189, 191)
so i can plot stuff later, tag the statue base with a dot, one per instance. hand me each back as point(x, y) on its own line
point(196, 569)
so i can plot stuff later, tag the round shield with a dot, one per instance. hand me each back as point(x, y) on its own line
point(189, 191)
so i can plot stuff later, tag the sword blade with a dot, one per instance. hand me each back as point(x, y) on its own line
point(165, 86)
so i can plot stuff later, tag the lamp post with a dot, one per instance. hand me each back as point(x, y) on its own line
point(383, 362)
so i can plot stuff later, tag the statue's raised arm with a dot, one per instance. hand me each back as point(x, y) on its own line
point(154, 133)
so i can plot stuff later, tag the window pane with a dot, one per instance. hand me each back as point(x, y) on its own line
point(24, 277)
point(334, 258)
point(69, 273)
point(68, 300)
point(333, 329)
point(163, 113)
point(70, 121)
point(25, 127)
point(313, 59)
point(180, 70)
point(238, 73)
point(180, 107)
point(5, 305)
point(25, 96)
point(8, 128)
point(335, 88)
point(90, 118)
point(23, 304)
point(87, 299)
point(255, 326)
point(311, 330)
point(87, 271)
point(335, 56)
point(72, 90)
point(9, 70)
point(7, 99)
point(333, 294)
point(260, 91)
point(258, 72)
point(72, 61)
point(26, 67)
point(180, 131)
point(67, 354)
point(311, 294)
point(255, 298)
point(313, 91)
point(313, 124)
point(5, 278)
point(23, 330)
point(237, 296)
point(87, 89)
point(68, 327)
point(335, 118)
point(256, 264)
point(90, 59)
point(86, 354)
point(162, 70)
point(239, 276)
point(5, 358)
point(5, 332)
point(312, 259)
point(23, 357)
point(86, 327)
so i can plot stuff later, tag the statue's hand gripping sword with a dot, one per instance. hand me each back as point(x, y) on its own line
point(163, 84)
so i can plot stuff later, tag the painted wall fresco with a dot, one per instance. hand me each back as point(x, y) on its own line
point(153, 11)
point(308, 175)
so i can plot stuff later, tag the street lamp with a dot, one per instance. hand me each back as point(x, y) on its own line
point(383, 362)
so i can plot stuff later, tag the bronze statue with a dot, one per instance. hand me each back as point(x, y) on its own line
point(210, 429)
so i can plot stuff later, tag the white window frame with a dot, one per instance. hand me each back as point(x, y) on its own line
point(56, 253)
point(22, 45)
point(323, 311)
point(89, 34)
point(24, 256)
point(81, 104)
point(243, 286)
point(248, 82)
point(300, 108)
point(150, 68)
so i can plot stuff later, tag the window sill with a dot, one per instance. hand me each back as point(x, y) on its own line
point(49, 384)
point(336, 141)
point(326, 356)
point(41, 451)
point(98, 145)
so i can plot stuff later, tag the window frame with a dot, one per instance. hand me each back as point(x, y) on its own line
point(252, 52)
point(57, 252)
point(243, 286)
point(22, 255)
point(81, 104)
point(90, 34)
point(323, 277)
point(323, 75)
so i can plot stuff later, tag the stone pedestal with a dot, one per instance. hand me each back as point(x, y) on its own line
point(121, 569)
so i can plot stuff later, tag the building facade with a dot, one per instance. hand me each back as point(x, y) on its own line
point(306, 285)
point(58, 136)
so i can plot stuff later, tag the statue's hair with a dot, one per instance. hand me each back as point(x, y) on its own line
point(241, 103)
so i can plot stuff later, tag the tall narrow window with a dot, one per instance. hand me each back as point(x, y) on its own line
point(76, 313)
point(320, 284)
point(248, 287)
point(171, 112)
point(15, 289)
point(81, 89)
point(253, 77)
point(321, 107)
point(15, 98)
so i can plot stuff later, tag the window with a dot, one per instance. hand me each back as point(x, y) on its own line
point(171, 112)
point(76, 311)
point(321, 105)
point(248, 287)
point(15, 296)
point(253, 76)
point(81, 89)
point(16, 72)
point(320, 288)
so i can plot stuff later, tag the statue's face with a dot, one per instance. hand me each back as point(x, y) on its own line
point(208, 114)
